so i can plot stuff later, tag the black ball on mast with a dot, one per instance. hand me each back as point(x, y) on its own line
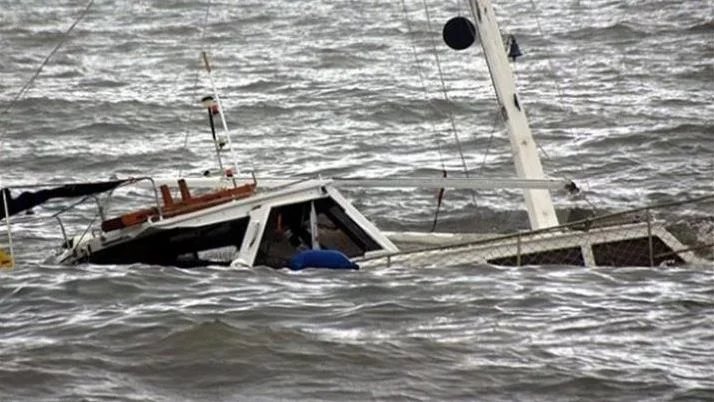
point(459, 33)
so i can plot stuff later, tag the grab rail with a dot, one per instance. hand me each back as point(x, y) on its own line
point(101, 210)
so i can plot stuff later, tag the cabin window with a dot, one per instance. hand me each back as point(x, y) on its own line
point(182, 247)
point(288, 232)
point(634, 253)
point(562, 256)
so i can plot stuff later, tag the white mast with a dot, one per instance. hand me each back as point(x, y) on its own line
point(538, 202)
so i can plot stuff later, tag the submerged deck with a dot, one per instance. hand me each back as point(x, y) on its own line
point(630, 238)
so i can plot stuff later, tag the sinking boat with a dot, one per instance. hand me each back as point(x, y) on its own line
point(308, 222)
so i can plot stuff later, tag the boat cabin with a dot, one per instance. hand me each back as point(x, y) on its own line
point(239, 226)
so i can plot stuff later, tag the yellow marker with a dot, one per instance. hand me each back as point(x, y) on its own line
point(6, 260)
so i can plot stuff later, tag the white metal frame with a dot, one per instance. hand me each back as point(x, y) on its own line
point(388, 182)
point(253, 236)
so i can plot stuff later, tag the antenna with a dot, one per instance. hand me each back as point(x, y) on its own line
point(212, 107)
point(204, 57)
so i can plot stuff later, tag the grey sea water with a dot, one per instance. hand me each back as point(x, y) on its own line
point(620, 96)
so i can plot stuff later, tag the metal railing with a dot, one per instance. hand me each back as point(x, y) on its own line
point(101, 210)
point(628, 238)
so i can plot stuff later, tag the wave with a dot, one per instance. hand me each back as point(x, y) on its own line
point(617, 30)
point(706, 27)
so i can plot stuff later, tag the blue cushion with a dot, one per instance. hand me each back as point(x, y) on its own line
point(329, 259)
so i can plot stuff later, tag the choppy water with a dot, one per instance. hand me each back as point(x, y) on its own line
point(459, 333)
point(332, 87)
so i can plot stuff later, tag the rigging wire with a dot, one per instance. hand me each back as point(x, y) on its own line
point(464, 4)
point(497, 114)
point(496, 119)
point(37, 72)
point(29, 82)
point(561, 97)
point(422, 81)
point(446, 98)
point(441, 112)
point(444, 90)
point(551, 67)
point(560, 100)
point(26, 87)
